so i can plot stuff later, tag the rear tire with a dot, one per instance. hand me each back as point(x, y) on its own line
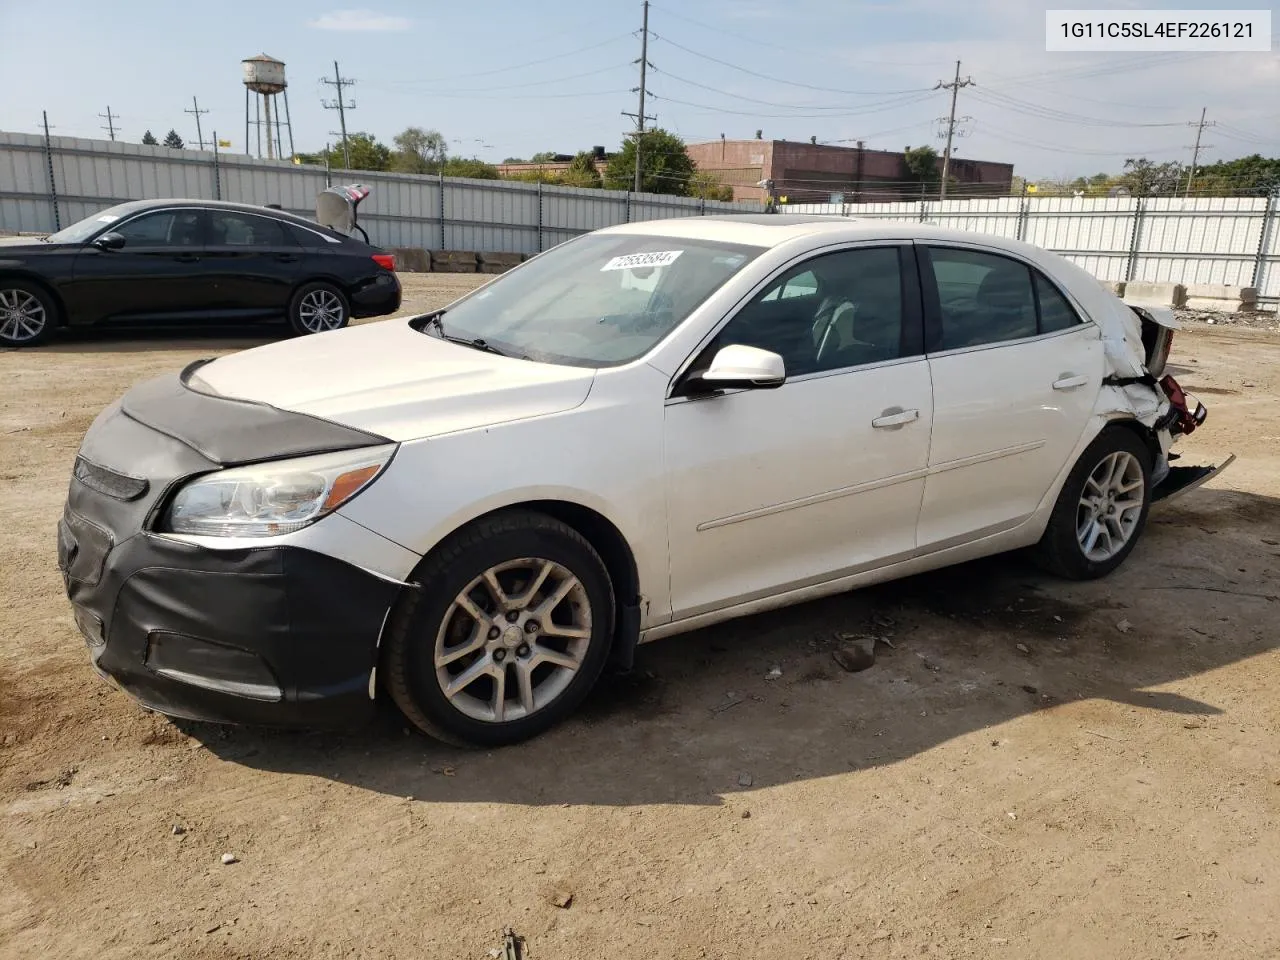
point(28, 314)
point(318, 307)
point(483, 653)
point(1102, 509)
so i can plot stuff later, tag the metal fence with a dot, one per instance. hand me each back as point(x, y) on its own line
point(1222, 240)
point(46, 184)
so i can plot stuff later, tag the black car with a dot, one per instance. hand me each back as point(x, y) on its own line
point(168, 261)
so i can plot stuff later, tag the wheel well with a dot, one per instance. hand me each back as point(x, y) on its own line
point(607, 540)
point(1142, 432)
point(61, 308)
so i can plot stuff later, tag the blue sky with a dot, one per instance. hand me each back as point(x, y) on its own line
point(504, 78)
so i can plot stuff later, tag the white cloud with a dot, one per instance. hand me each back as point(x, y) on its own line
point(360, 20)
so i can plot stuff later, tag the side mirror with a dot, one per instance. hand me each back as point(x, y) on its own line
point(738, 367)
point(109, 241)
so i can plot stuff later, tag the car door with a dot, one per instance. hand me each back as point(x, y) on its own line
point(253, 264)
point(770, 490)
point(1015, 370)
point(155, 274)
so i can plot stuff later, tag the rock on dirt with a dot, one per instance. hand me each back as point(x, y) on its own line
point(857, 655)
point(229, 858)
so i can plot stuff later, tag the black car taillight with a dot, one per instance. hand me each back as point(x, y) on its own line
point(385, 260)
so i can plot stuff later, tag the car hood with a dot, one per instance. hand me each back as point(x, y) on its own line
point(389, 379)
point(12, 245)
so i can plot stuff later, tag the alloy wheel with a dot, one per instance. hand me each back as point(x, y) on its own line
point(321, 310)
point(513, 640)
point(22, 315)
point(1110, 506)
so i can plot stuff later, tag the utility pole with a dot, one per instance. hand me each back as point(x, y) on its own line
point(640, 117)
point(1195, 152)
point(339, 81)
point(197, 111)
point(954, 87)
point(111, 119)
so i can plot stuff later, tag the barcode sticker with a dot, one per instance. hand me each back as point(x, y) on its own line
point(659, 258)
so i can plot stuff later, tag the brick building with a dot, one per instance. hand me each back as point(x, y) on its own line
point(815, 172)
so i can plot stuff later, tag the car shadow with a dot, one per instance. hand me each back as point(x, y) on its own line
point(129, 338)
point(962, 652)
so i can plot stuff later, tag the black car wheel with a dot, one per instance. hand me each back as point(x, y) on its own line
point(27, 314)
point(508, 633)
point(317, 307)
point(1102, 509)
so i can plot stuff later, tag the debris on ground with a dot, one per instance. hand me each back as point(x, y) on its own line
point(562, 898)
point(1023, 648)
point(1124, 626)
point(229, 858)
point(179, 829)
point(858, 653)
point(774, 673)
point(744, 780)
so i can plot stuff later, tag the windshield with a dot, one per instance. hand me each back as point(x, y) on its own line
point(86, 228)
point(596, 301)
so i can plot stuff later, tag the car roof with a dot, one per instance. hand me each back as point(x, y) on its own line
point(771, 230)
point(139, 205)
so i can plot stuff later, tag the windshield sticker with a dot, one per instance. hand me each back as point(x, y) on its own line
point(659, 258)
point(732, 262)
point(108, 218)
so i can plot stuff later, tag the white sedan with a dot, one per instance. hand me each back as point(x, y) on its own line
point(643, 431)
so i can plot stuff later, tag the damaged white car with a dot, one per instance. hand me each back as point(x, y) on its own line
point(642, 431)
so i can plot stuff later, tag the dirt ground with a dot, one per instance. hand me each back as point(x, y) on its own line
point(1033, 769)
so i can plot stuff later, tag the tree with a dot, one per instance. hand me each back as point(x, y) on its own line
point(708, 186)
point(475, 169)
point(1254, 173)
point(921, 164)
point(150, 140)
point(1144, 178)
point(546, 156)
point(582, 171)
point(419, 151)
point(665, 165)
point(173, 141)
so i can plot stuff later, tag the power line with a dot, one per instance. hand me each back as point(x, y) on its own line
point(790, 83)
point(640, 116)
point(111, 121)
point(1030, 109)
point(857, 112)
point(738, 96)
point(341, 106)
point(954, 87)
point(196, 111)
point(519, 66)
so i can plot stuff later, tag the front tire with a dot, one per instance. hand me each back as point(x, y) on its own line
point(1102, 509)
point(318, 307)
point(28, 314)
point(508, 632)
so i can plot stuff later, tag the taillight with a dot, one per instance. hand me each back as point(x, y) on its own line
point(385, 260)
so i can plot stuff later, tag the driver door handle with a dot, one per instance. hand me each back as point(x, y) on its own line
point(186, 258)
point(1069, 382)
point(895, 417)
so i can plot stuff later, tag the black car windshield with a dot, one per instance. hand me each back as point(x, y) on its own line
point(81, 231)
point(596, 301)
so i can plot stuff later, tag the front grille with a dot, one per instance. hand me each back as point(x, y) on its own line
point(118, 486)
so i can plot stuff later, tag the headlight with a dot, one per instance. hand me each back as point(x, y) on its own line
point(269, 499)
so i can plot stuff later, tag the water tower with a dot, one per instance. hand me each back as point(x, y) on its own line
point(264, 76)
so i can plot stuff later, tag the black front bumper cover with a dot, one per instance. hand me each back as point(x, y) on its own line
point(275, 634)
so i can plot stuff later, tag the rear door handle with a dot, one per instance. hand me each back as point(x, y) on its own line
point(1069, 382)
point(186, 258)
point(287, 258)
point(895, 417)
